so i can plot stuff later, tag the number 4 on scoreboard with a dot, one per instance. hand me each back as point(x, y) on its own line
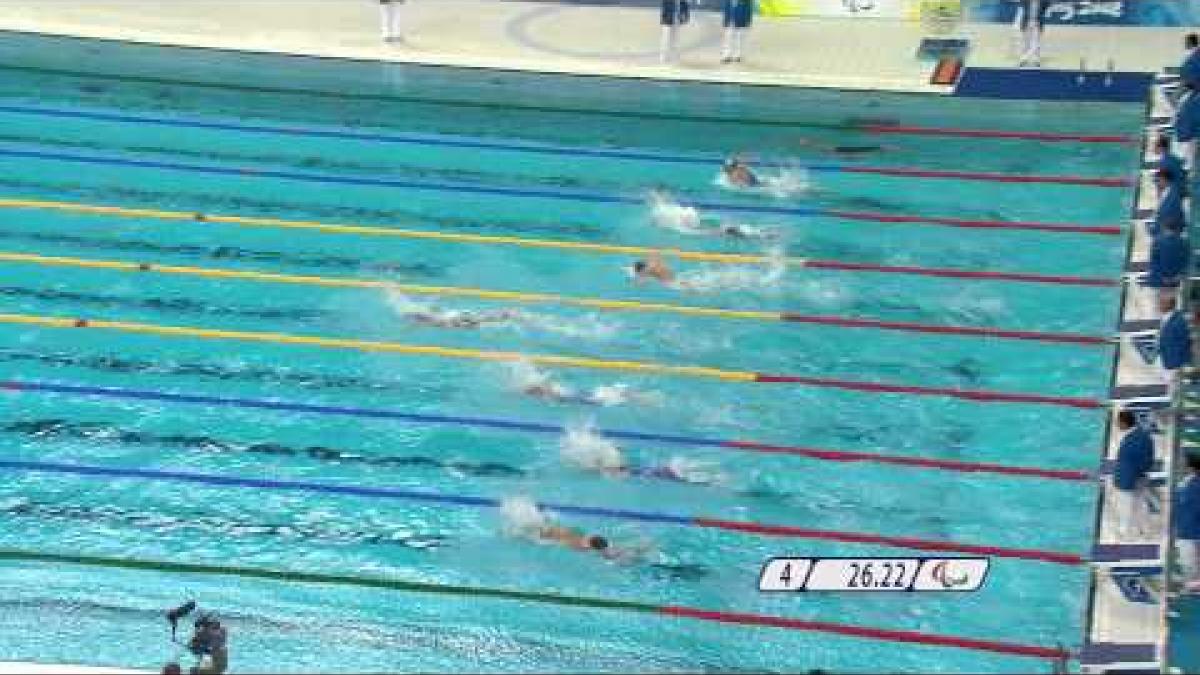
point(785, 574)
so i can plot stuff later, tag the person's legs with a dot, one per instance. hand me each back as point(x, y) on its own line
point(727, 47)
point(1123, 507)
point(670, 43)
point(394, 26)
point(1189, 561)
point(1031, 51)
point(739, 43)
point(385, 20)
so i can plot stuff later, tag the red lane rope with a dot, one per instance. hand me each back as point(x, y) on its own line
point(968, 394)
point(988, 176)
point(1111, 230)
point(920, 462)
point(898, 542)
point(846, 322)
point(995, 133)
point(948, 272)
point(884, 634)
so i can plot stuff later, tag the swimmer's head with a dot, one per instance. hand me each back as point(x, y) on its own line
point(640, 267)
point(597, 543)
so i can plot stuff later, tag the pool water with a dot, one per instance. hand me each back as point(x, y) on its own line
point(516, 155)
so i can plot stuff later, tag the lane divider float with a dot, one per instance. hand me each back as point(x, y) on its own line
point(442, 140)
point(426, 496)
point(610, 249)
point(525, 426)
point(549, 298)
point(705, 372)
point(541, 597)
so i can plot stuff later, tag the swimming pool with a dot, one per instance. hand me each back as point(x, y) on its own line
point(521, 183)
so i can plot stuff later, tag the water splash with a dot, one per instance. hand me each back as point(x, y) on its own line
point(521, 516)
point(792, 181)
point(584, 327)
point(735, 277)
point(696, 471)
point(526, 377)
point(582, 447)
point(669, 214)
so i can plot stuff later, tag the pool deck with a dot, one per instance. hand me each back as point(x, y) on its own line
point(592, 40)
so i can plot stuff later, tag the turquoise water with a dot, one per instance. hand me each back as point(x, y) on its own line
point(82, 120)
point(1184, 652)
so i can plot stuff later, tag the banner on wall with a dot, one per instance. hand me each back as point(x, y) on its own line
point(1161, 13)
point(911, 10)
point(875, 9)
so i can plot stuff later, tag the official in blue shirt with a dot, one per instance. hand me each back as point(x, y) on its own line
point(1187, 117)
point(1174, 336)
point(1186, 514)
point(1189, 70)
point(1135, 457)
point(1170, 205)
point(737, 17)
point(1169, 257)
point(1171, 163)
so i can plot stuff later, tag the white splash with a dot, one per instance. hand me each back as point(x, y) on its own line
point(735, 277)
point(696, 471)
point(581, 446)
point(789, 182)
point(667, 213)
point(526, 377)
point(521, 516)
point(585, 327)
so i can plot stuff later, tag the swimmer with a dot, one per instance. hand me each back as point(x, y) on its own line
point(428, 315)
point(523, 518)
point(575, 539)
point(671, 215)
point(528, 379)
point(653, 268)
point(738, 174)
point(550, 391)
point(609, 395)
point(463, 320)
point(676, 470)
point(747, 232)
point(582, 447)
point(844, 150)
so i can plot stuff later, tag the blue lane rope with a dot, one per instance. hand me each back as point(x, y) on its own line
point(436, 140)
point(464, 188)
point(328, 488)
point(486, 422)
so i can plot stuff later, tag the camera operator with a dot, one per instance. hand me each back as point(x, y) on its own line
point(210, 644)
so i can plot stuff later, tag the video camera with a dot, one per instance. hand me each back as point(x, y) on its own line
point(207, 628)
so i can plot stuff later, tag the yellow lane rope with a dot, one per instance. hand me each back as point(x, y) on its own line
point(307, 280)
point(495, 240)
point(374, 346)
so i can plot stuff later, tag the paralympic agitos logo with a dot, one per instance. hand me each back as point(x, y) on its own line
point(944, 575)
